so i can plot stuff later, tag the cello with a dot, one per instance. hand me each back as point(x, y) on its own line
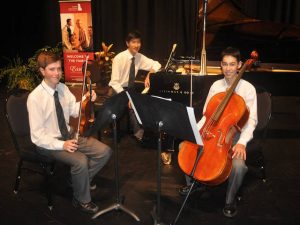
point(86, 110)
point(226, 114)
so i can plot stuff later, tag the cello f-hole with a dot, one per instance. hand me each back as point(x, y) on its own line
point(219, 143)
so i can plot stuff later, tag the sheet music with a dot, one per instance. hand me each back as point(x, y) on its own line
point(146, 90)
point(193, 123)
point(134, 109)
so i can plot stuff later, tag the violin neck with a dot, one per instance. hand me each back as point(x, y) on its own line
point(82, 94)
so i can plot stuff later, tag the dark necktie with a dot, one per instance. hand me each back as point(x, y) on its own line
point(60, 118)
point(131, 73)
point(69, 31)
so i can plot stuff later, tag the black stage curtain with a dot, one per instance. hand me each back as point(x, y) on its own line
point(28, 26)
point(284, 11)
point(161, 23)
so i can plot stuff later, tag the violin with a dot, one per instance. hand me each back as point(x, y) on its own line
point(86, 111)
point(226, 113)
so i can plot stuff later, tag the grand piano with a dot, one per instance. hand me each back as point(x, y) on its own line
point(278, 70)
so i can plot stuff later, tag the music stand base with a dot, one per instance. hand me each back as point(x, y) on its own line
point(155, 217)
point(116, 206)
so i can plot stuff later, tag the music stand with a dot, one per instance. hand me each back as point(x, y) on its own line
point(113, 108)
point(173, 118)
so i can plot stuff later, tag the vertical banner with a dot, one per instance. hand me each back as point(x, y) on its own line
point(77, 37)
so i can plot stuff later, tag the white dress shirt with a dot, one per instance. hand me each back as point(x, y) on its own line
point(248, 93)
point(121, 66)
point(43, 122)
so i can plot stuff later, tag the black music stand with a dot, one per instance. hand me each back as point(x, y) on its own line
point(173, 118)
point(113, 108)
point(116, 104)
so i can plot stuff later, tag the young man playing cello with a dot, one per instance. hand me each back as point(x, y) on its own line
point(50, 106)
point(230, 65)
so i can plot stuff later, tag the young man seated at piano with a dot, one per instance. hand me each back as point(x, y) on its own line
point(124, 70)
point(230, 65)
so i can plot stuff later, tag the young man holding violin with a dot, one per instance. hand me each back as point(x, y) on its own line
point(50, 106)
point(230, 65)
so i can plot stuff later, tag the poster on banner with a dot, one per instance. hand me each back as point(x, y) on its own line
point(77, 37)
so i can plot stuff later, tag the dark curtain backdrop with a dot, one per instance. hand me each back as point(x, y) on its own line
point(30, 25)
point(286, 11)
point(161, 23)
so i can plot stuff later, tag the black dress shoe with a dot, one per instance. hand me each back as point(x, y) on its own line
point(184, 190)
point(85, 207)
point(230, 210)
point(93, 185)
point(139, 141)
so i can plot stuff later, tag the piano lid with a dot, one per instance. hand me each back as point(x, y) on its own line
point(227, 26)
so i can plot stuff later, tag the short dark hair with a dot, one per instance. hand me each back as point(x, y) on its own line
point(232, 51)
point(45, 58)
point(68, 20)
point(133, 35)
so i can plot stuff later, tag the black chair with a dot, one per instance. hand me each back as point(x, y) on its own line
point(18, 122)
point(255, 158)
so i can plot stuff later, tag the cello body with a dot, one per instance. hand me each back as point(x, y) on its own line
point(214, 165)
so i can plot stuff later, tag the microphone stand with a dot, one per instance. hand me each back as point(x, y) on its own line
point(191, 83)
point(170, 56)
point(196, 27)
point(203, 69)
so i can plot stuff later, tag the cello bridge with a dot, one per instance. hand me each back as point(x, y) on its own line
point(208, 135)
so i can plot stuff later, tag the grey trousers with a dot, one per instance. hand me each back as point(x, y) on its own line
point(85, 163)
point(235, 179)
point(238, 171)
